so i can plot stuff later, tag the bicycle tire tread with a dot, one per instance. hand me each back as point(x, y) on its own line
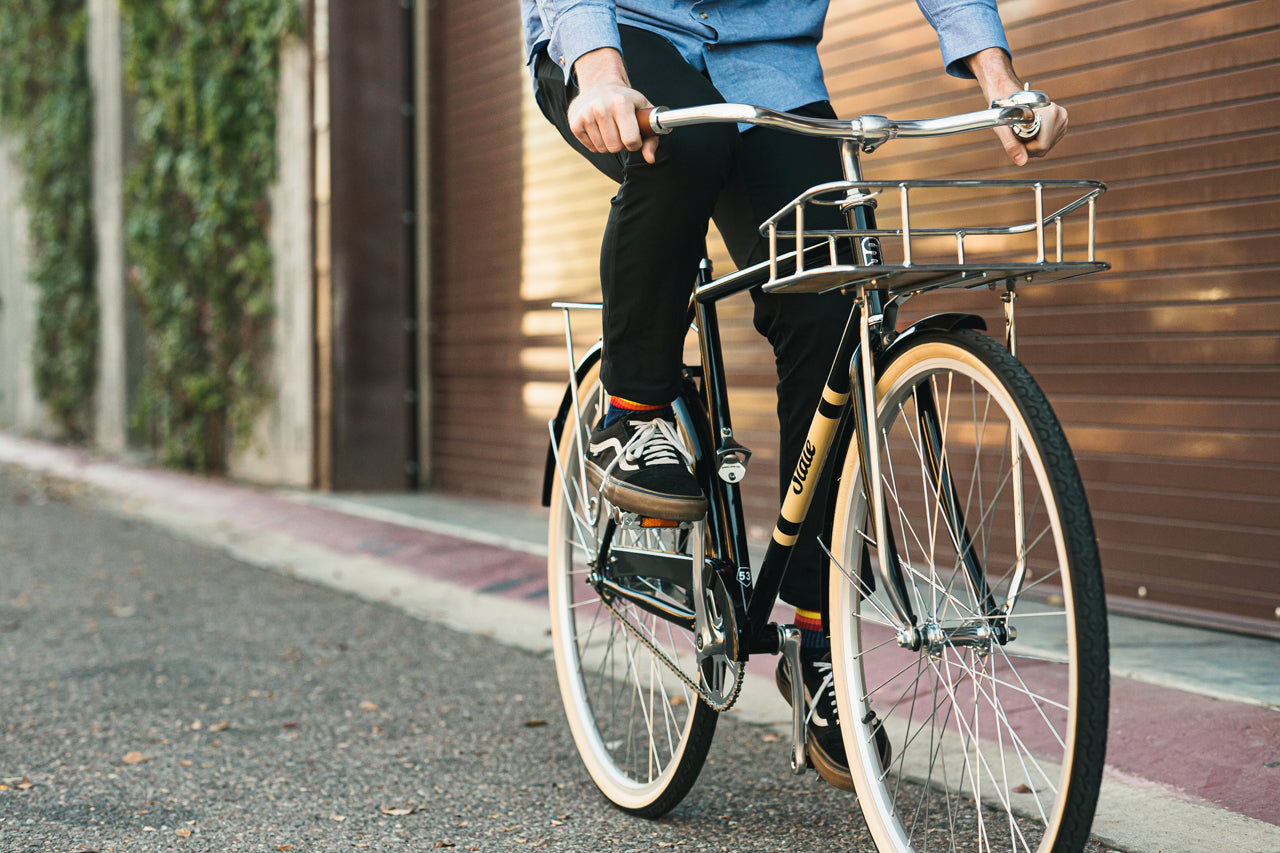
point(1087, 586)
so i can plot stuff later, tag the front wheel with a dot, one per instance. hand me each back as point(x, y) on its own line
point(994, 702)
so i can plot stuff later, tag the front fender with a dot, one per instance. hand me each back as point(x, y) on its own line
point(947, 322)
point(557, 423)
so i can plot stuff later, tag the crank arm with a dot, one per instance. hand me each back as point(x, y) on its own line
point(789, 639)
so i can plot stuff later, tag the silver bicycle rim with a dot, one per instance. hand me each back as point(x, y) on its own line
point(986, 724)
point(630, 716)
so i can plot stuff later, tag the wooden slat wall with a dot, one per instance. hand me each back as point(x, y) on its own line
point(1164, 371)
point(365, 428)
point(481, 443)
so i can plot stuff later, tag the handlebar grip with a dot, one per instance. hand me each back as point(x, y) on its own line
point(646, 126)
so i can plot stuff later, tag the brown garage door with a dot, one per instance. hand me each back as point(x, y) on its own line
point(1166, 371)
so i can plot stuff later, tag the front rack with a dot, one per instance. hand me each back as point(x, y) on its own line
point(922, 253)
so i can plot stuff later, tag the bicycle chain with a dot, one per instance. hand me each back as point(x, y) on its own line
point(719, 707)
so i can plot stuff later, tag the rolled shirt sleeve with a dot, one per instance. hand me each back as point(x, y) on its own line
point(755, 51)
point(964, 27)
point(575, 27)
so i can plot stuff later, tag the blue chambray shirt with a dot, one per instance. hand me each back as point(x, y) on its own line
point(762, 52)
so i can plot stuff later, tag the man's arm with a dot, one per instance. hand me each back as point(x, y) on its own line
point(583, 38)
point(994, 72)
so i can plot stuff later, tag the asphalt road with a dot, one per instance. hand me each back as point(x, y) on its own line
point(156, 694)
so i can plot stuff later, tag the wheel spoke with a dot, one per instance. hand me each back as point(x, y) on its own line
point(640, 729)
point(979, 717)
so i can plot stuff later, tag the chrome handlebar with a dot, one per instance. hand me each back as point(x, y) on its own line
point(870, 131)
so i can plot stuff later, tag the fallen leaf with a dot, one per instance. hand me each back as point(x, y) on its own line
point(397, 812)
point(135, 757)
point(148, 829)
point(337, 817)
point(445, 844)
point(183, 833)
point(24, 785)
point(285, 847)
point(368, 706)
point(1022, 789)
point(184, 763)
point(533, 724)
point(220, 726)
point(770, 737)
point(678, 701)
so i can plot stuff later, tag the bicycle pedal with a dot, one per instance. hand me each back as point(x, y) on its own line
point(658, 522)
point(635, 521)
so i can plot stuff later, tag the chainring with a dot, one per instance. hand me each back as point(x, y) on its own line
point(719, 681)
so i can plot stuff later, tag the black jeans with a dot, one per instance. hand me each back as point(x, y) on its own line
point(656, 237)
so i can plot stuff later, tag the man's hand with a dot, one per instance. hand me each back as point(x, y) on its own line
point(995, 74)
point(603, 116)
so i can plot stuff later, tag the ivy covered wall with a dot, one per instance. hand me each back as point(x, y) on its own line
point(203, 79)
point(45, 102)
point(205, 76)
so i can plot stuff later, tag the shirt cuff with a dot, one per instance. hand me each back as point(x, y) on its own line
point(965, 32)
point(579, 31)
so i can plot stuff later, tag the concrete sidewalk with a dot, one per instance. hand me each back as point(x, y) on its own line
point(1194, 742)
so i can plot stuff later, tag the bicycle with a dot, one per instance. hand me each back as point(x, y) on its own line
point(965, 600)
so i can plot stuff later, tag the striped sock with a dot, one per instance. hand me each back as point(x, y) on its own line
point(620, 408)
point(811, 636)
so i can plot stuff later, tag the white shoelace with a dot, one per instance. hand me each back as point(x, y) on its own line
point(825, 685)
point(655, 443)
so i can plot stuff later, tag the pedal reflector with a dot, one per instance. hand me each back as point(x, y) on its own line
point(658, 522)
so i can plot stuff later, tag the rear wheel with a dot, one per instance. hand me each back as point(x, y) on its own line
point(995, 706)
point(642, 731)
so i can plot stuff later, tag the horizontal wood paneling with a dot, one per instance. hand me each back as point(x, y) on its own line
point(481, 437)
point(1165, 371)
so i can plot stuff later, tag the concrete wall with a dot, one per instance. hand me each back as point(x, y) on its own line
point(117, 371)
point(282, 449)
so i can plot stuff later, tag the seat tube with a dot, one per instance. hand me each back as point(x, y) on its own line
point(725, 510)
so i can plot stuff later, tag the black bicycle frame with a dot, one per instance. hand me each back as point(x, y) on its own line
point(845, 391)
point(727, 546)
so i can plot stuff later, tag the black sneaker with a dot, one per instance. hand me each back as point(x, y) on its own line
point(825, 742)
point(644, 468)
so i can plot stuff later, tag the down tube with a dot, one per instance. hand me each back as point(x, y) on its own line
point(804, 484)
